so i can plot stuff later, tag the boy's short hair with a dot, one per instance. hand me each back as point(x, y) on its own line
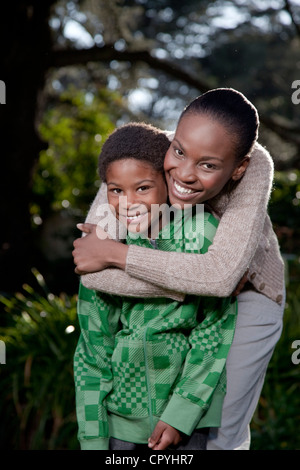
point(137, 140)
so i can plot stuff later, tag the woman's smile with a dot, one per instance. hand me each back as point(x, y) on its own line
point(181, 190)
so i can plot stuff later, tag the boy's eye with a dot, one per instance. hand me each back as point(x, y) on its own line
point(116, 190)
point(143, 188)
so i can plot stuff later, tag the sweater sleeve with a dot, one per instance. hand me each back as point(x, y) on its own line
point(217, 272)
point(99, 322)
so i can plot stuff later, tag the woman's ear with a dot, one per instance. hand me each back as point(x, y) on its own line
point(240, 169)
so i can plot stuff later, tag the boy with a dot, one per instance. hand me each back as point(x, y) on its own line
point(136, 363)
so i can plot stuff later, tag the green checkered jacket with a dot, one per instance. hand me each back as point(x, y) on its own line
point(143, 360)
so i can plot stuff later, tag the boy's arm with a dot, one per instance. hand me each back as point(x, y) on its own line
point(99, 320)
point(204, 366)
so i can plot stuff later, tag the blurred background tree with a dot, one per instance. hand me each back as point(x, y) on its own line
point(115, 61)
point(76, 69)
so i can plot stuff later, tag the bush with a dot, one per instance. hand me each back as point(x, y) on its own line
point(276, 421)
point(37, 398)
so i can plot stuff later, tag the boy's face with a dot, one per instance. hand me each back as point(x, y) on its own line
point(200, 160)
point(133, 187)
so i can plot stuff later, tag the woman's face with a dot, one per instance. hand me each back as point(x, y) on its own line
point(200, 160)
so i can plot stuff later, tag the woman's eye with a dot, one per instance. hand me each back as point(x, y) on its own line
point(179, 152)
point(209, 166)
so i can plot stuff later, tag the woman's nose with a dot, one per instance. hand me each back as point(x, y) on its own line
point(186, 174)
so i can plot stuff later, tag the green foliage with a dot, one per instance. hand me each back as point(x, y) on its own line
point(284, 210)
point(276, 421)
point(285, 201)
point(75, 128)
point(37, 403)
point(37, 398)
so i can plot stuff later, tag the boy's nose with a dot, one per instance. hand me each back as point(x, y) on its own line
point(132, 200)
point(128, 203)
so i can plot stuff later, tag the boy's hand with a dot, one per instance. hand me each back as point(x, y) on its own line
point(163, 436)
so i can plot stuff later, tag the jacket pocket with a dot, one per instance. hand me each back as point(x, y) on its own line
point(129, 394)
point(165, 363)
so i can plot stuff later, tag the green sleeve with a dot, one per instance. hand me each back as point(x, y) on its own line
point(99, 321)
point(203, 368)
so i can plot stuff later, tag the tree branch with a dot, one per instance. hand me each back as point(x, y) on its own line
point(108, 53)
point(290, 12)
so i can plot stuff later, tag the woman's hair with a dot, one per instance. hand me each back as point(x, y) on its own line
point(234, 111)
point(136, 140)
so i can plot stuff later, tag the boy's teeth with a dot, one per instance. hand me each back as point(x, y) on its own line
point(132, 217)
point(181, 189)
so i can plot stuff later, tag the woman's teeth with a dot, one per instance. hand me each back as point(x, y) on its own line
point(182, 190)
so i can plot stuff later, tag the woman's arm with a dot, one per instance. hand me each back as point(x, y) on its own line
point(217, 272)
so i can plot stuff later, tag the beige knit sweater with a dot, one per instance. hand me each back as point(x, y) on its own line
point(244, 240)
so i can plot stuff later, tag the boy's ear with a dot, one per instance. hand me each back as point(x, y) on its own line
point(240, 169)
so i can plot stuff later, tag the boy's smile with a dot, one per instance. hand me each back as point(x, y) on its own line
point(200, 160)
point(135, 190)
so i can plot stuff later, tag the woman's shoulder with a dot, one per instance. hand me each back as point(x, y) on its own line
point(258, 151)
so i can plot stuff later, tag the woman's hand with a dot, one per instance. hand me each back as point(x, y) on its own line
point(240, 285)
point(163, 436)
point(93, 228)
point(95, 251)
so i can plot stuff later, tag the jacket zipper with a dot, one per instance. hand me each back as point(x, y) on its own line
point(148, 383)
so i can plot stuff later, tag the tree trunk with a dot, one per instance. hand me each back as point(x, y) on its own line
point(26, 42)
